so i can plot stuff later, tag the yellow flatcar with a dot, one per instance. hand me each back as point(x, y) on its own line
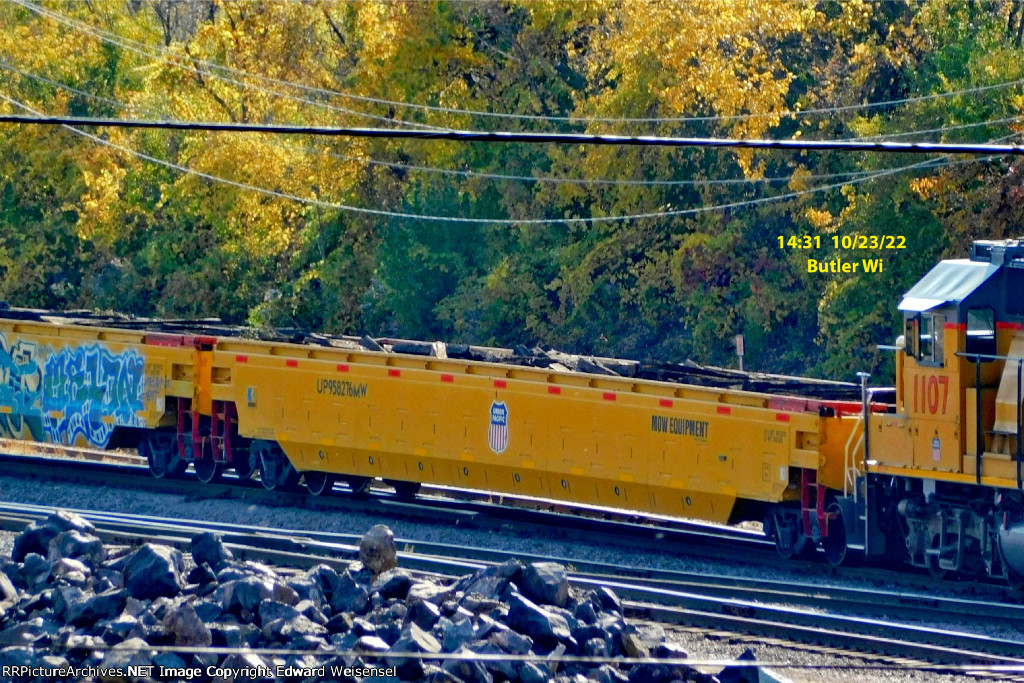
point(935, 478)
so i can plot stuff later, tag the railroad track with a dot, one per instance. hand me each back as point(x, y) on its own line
point(491, 512)
point(678, 598)
point(917, 606)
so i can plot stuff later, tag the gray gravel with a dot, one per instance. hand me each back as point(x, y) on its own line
point(139, 501)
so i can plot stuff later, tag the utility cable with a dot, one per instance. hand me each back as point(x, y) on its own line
point(519, 178)
point(486, 221)
point(527, 137)
point(556, 180)
point(141, 47)
point(127, 44)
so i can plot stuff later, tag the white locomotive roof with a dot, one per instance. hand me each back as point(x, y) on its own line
point(948, 282)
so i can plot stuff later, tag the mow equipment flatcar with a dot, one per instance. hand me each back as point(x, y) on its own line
point(935, 478)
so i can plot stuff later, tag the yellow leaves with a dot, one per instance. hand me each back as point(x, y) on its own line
point(97, 210)
point(821, 219)
point(699, 57)
point(380, 26)
point(798, 179)
point(925, 187)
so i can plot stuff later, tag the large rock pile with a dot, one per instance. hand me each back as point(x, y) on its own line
point(67, 601)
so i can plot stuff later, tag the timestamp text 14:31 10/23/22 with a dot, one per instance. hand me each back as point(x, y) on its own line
point(843, 242)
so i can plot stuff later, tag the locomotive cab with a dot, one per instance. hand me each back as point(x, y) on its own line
point(952, 450)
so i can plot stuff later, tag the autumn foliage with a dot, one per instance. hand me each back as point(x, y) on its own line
point(633, 252)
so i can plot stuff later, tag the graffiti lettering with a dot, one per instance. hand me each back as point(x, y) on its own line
point(83, 385)
point(20, 389)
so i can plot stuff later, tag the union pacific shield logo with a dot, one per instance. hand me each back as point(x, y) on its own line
point(497, 434)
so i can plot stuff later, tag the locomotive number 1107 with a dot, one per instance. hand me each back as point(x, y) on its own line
point(931, 394)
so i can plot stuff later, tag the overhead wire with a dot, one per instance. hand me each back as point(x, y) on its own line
point(497, 136)
point(137, 46)
point(128, 44)
point(520, 178)
point(485, 221)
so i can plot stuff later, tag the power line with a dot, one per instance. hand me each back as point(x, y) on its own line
point(525, 137)
point(537, 179)
point(147, 52)
point(111, 37)
point(930, 163)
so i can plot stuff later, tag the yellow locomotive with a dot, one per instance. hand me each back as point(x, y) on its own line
point(935, 477)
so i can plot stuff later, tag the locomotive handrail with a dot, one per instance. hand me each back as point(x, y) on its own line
point(980, 441)
point(866, 392)
point(987, 356)
point(850, 480)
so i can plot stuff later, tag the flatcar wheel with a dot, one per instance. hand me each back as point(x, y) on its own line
point(208, 470)
point(789, 545)
point(276, 473)
point(161, 454)
point(360, 485)
point(834, 544)
point(405, 489)
point(791, 549)
point(319, 483)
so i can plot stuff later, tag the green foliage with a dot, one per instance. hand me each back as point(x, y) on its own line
point(87, 225)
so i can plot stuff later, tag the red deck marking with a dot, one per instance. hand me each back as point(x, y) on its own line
point(782, 417)
point(724, 410)
point(241, 359)
point(394, 373)
point(342, 367)
point(292, 363)
point(665, 403)
point(165, 340)
point(554, 390)
point(608, 396)
point(1009, 326)
point(500, 384)
point(955, 326)
point(447, 378)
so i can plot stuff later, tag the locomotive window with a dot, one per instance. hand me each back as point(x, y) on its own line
point(925, 351)
point(910, 335)
point(929, 338)
point(981, 331)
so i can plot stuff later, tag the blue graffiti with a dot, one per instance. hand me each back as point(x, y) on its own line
point(84, 385)
point(20, 390)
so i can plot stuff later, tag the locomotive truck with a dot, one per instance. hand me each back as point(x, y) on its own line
point(929, 472)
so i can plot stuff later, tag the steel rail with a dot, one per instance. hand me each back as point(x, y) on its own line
point(473, 510)
point(671, 606)
point(847, 599)
point(283, 546)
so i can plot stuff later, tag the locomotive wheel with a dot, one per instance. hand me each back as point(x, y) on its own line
point(834, 544)
point(405, 489)
point(207, 469)
point(161, 453)
point(360, 485)
point(319, 483)
point(934, 569)
point(276, 473)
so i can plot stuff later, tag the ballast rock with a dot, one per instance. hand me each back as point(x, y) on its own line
point(114, 607)
point(546, 583)
point(154, 571)
point(377, 549)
